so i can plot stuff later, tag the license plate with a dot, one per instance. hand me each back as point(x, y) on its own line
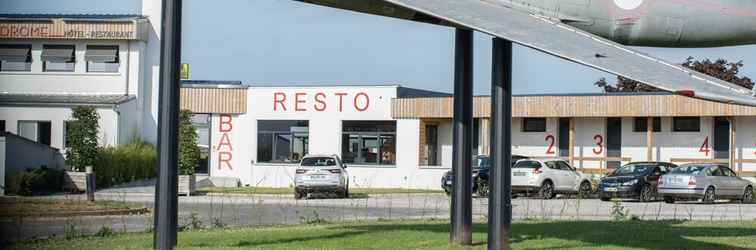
point(677, 180)
point(610, 189)
point(317, 177)
point(519, 173)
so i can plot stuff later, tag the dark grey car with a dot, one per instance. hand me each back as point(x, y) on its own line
point(705, 182)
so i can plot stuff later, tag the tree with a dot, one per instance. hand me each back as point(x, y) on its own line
point(721, 69)
point(81, 134)
point(189, 152)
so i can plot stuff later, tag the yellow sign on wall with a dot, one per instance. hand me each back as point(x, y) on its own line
point(184, 71)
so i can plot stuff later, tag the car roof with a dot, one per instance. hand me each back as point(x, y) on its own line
point(319, 155)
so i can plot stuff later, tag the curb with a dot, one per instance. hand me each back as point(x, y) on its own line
point(131, 211)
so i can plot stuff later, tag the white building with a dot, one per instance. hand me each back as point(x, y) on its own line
point(392, 136)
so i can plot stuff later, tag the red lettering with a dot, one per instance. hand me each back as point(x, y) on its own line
point(705, 147)
point(281, 101)
point(341, 100)
point(367, 102)
point(298, 101)
point(4, 31)
point(550, 150)
point(599, 149)
point(225, 123)
point(225, 158)
point(321, 101)
point(225, 141)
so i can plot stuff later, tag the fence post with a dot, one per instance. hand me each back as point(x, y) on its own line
point(90, 180)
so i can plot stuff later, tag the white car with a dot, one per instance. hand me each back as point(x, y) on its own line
point(549, 177)
point(321, 173)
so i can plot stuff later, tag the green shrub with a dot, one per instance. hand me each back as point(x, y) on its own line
point(35, 181)
point(189, 153)
point(125, 163)
point(81, 134)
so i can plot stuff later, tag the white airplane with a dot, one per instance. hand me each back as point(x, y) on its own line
point(594, 32)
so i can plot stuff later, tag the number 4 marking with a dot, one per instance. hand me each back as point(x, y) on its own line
point(705, 147)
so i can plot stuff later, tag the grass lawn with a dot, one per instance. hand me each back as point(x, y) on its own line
point(414, 234)
point(357, 192)
point(35, 206)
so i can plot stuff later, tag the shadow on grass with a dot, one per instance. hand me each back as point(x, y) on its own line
point(633, 234)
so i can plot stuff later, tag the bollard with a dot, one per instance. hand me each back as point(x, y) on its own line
point(90, 179)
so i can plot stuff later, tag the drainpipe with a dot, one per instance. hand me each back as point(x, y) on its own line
point(128, 63)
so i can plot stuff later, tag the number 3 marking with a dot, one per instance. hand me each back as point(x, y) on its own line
point(599, 149)
point(551, 140)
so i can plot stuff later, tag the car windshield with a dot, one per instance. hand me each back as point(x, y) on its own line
point(318, 162)
point(527, 164)
point(481, 162)
point(689, 169)
point(634, 169)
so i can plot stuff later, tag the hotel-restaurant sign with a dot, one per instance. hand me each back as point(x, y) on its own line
point(59, 29)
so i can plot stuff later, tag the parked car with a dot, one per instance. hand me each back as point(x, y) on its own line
point(321, 173)
point(481, 167)
point(549, 177)
point(637, 180)
point(705, 182)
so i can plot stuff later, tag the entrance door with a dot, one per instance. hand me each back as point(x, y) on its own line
point(721, 138)
point(564, 137)
point(613, 141)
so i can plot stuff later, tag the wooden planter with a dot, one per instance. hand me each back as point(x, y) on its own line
point(187, 184)
point(75, 181)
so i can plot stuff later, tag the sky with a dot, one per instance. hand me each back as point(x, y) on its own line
point(282, 42)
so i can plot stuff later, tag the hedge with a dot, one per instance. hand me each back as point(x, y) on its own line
point(125, 163)
point(35, 181)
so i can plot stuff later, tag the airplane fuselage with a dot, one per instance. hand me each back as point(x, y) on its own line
point(659, 23)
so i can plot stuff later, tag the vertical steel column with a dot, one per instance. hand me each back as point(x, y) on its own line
point(500, 195)
point(461, 212)
point(166, 190)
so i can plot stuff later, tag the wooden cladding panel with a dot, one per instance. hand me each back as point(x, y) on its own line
point(576, 106)
point(214, 100)
point(59, 29)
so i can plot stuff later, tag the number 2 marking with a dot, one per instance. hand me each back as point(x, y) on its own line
point(705, 147)
point(599, 149)
point(551, 140)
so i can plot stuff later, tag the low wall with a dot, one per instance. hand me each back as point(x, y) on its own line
point(22, 154)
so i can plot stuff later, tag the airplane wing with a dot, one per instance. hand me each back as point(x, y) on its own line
point(575, 45)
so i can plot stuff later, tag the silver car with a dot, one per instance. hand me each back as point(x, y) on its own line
point(705, 182)
point(549, 177)
point(321, 173)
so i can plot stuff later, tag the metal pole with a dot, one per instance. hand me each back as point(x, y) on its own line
point(461, 213)
point(500, 195)
point(166, 190)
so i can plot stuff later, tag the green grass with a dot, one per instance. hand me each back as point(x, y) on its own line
point(415, 234)
point(353, 191)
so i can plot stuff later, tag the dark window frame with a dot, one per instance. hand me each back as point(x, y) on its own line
point(640, 124)
point(536, 122)
point(39, 139)
point(27, 62)
point(109, 66)
point(431, 144)
point(2, 126)
point(71, 62)
point(677, 124)
point(276, 134)
point(361, 131)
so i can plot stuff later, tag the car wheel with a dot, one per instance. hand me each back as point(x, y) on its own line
point(585, 190)
point(747, 195)
point(547, 190)
point(482, 190)
point(299, 195)
point(710, 196)
point(669, 199)
point(346, 192)
point(606, 199)
point(646, 194)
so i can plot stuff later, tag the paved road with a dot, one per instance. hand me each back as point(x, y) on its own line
point(234, 210)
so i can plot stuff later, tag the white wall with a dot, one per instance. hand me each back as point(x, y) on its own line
point(78, 82)
point(57, 115)
point(535, 144)
point(746, 141)
point(150, 71)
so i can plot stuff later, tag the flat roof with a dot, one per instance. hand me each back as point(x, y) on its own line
point(62, 99)
point(89, 17)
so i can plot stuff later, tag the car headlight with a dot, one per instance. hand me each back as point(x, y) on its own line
point(630, 183)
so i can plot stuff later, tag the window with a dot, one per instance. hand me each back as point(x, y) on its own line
point(431, 144)
point(686, 124)
point(282, 141)
point(2, 125)
point(38, 131)
point(102, 58)
point(534, 125)
point(15, 57)
point(369, 142)
point(201, 122)
point(728, 172)
point(640, 124)
point(59, 58)
point(528, 164)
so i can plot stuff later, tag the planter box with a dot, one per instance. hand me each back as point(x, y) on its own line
point(187, 184)
point(75, 181)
